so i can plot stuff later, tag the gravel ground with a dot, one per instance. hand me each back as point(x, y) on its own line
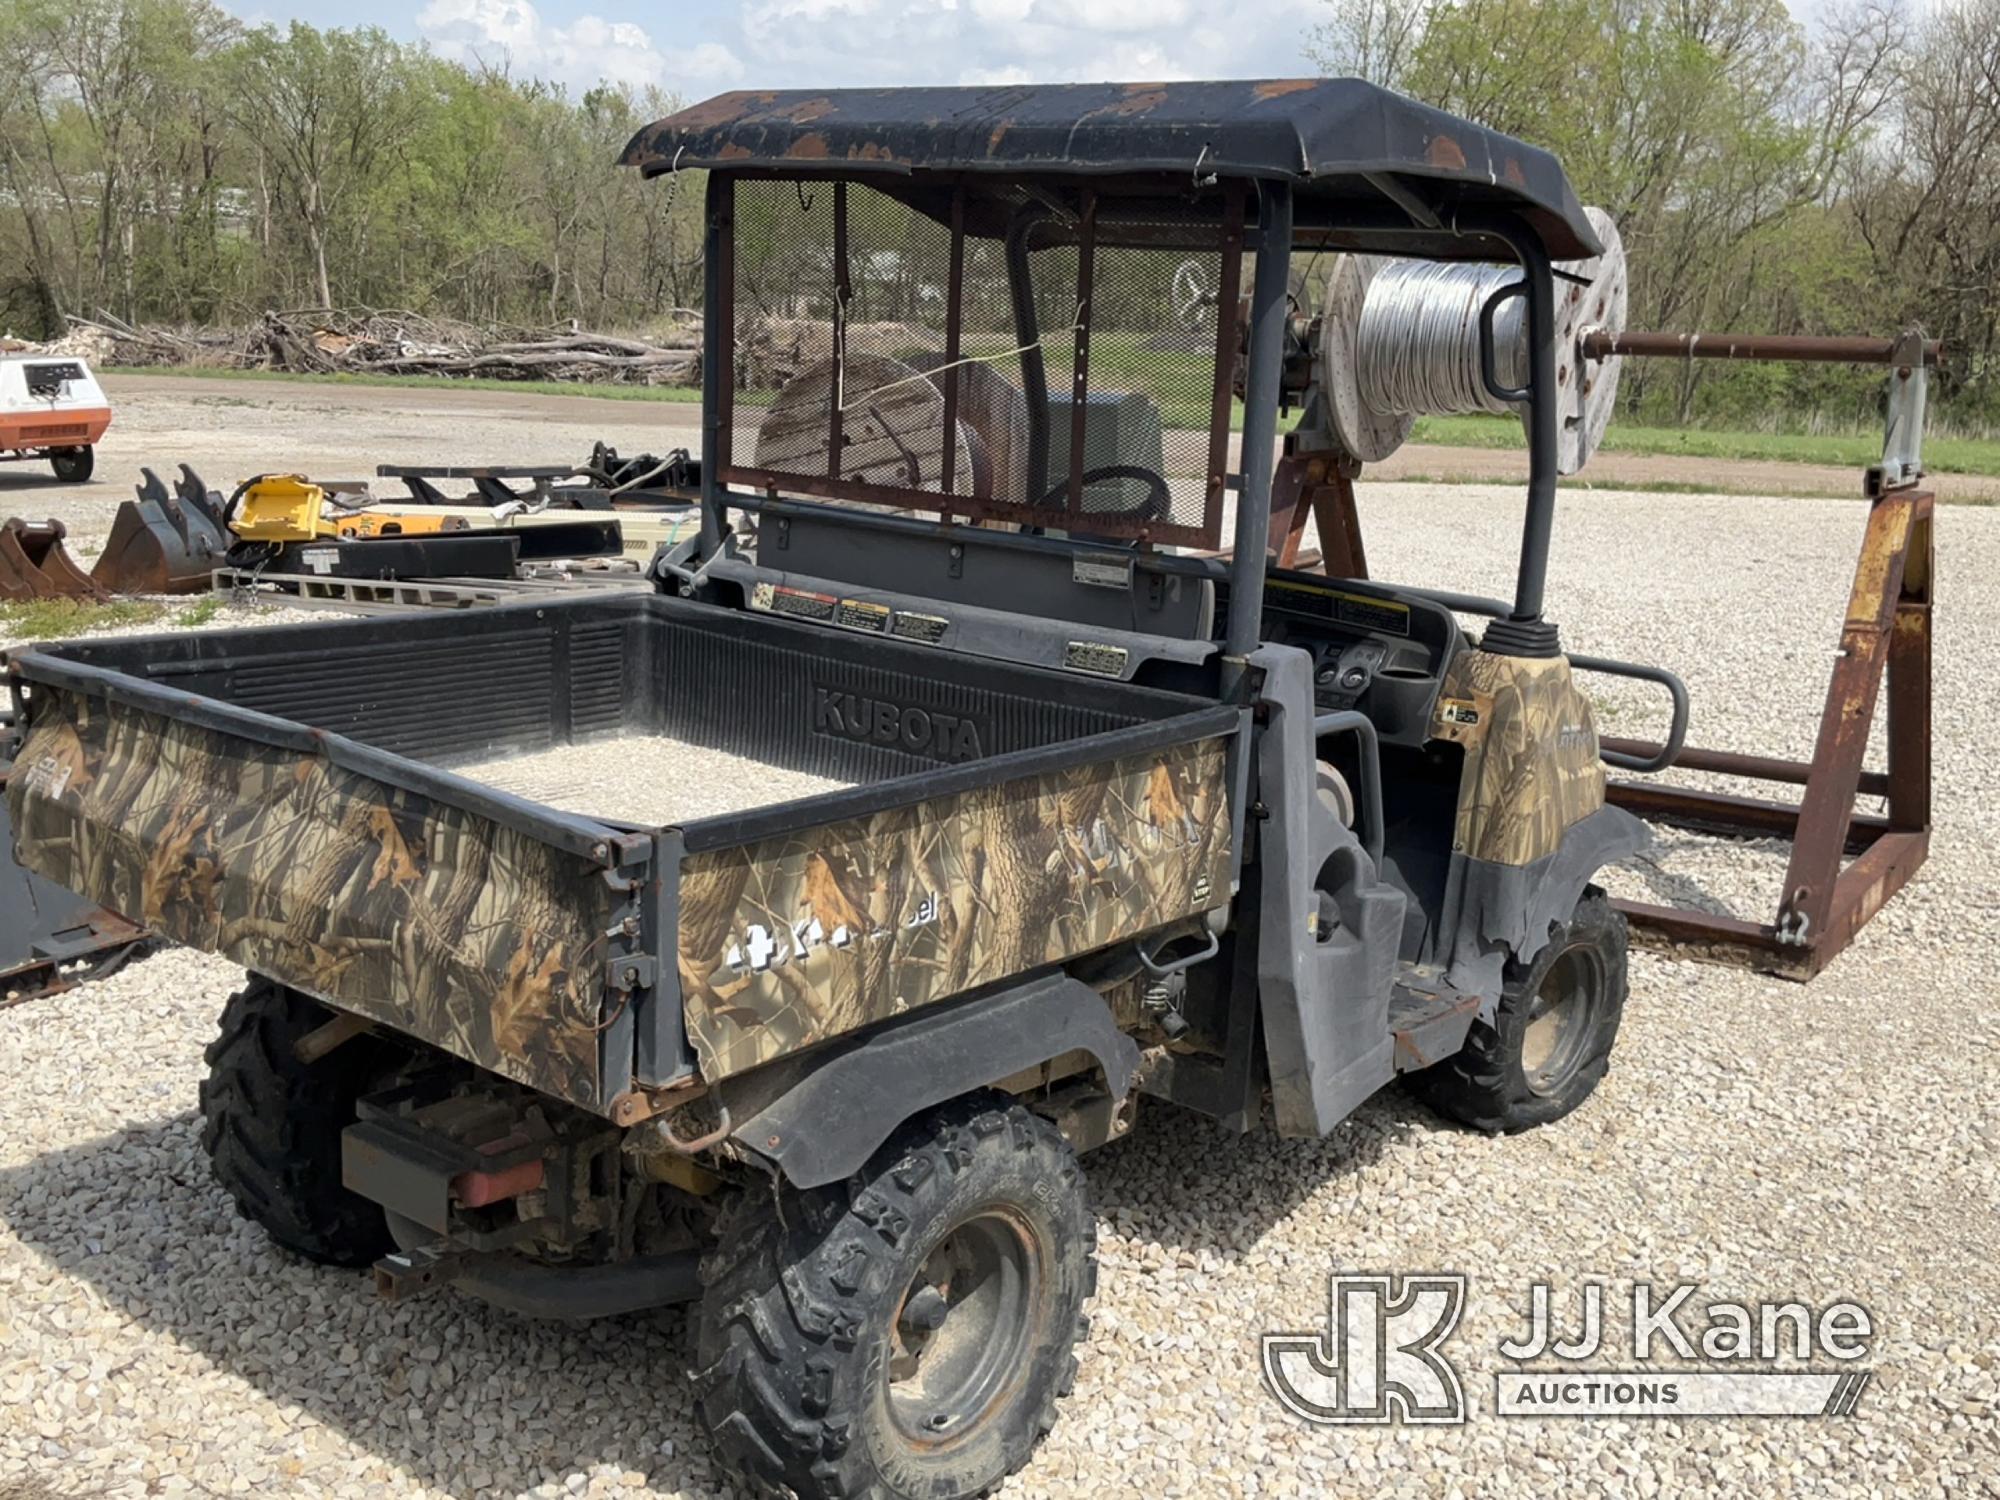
point(646, 778)
point(1758, 1138)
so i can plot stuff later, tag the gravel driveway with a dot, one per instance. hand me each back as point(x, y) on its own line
point(1761, 1139)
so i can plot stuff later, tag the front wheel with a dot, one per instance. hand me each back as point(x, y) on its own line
point(906, 1333)
point(1549, 1042)
point(73, 465)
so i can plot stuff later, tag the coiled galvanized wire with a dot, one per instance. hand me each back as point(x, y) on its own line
point(1418, 350)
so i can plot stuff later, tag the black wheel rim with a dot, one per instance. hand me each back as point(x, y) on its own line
point(964, 1328)
point(1562, 1017)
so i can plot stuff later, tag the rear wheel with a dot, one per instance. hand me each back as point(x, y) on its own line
point(73, 465)
point(906, 1333)
point(1550, 1039)
point(271, 1124)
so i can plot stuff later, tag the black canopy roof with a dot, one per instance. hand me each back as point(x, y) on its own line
point(1353, 151)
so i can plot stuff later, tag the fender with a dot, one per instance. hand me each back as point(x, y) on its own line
point(819, 1117)
point(1513, 908)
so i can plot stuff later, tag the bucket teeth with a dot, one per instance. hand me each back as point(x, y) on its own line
point(34, 563)
point(165, 541)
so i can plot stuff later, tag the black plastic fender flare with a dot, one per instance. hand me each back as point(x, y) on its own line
point(819, 1117)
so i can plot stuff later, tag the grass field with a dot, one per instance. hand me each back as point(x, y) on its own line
point(1941, 455)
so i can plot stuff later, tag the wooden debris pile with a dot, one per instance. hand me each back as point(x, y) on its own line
point(770, 351)
point(370, 341)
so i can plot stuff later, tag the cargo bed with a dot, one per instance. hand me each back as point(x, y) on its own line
point(284, 796)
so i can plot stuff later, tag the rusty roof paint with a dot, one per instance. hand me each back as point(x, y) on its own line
point(1443, 152)
point(1336, 139)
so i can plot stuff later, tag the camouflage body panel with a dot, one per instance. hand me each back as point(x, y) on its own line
point(427, 918)
point(801, 937)
point(1531, 766)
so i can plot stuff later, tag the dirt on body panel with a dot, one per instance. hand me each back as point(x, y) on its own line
point(425, 917)
point(795, 939)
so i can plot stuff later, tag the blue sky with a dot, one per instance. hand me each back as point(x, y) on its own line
point(700, 47)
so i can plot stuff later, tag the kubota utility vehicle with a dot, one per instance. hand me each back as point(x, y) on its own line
point(1130, 815)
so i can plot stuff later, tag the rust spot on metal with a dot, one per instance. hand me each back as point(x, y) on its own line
point(734, 151)
point(1512, 172)
point(999, 134)
point(1445, 152)
point(870, 152)
point(1139, 98)
point(811, 146)
point(810, 110)
point(1277, 88)
point(723, 109)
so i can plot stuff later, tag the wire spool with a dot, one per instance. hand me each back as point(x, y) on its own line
point(1399, 339)
point(1367, 432)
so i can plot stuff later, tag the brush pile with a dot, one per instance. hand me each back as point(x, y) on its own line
point(358, 341)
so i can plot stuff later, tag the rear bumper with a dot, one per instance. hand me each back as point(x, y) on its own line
point(77, 427)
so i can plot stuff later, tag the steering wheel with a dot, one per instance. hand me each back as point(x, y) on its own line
point(1159, 499)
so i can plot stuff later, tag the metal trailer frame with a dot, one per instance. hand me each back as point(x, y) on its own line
point(1886, 634)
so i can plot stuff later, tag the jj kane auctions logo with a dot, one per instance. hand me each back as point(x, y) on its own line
point(1381, 1359)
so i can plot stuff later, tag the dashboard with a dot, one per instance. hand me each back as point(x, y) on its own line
point(1374, 648)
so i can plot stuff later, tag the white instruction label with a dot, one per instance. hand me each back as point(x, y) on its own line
point(1103, 572)
point(48, 777)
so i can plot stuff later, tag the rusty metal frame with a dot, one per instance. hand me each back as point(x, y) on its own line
point(1886, 635)
point(1079, 390)
point(954, 333)
point(1317, 484)
point(1228, 333)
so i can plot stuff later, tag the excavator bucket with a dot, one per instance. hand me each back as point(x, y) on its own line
point(34, 563)
point(165, 543)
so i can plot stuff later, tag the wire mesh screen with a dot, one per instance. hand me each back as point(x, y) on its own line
point(877, 365)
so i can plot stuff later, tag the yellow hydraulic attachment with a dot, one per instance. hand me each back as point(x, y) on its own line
point(291, 508)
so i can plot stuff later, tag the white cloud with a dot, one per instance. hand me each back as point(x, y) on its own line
point(1113, 15)
point(1007, 77)
point(711, 62)
point(512, 34)
point(830, 43)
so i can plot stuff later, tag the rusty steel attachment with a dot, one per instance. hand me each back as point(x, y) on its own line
point(1791, 348)
point(1845, 864)
point(35, 563)
point(165, 542)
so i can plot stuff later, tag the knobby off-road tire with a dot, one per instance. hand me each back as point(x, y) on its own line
point(908, 1332)
point(1551, 1036)
point(73, 465)
point(271, 1124)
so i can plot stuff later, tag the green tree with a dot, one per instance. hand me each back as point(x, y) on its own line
point(330, 112)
